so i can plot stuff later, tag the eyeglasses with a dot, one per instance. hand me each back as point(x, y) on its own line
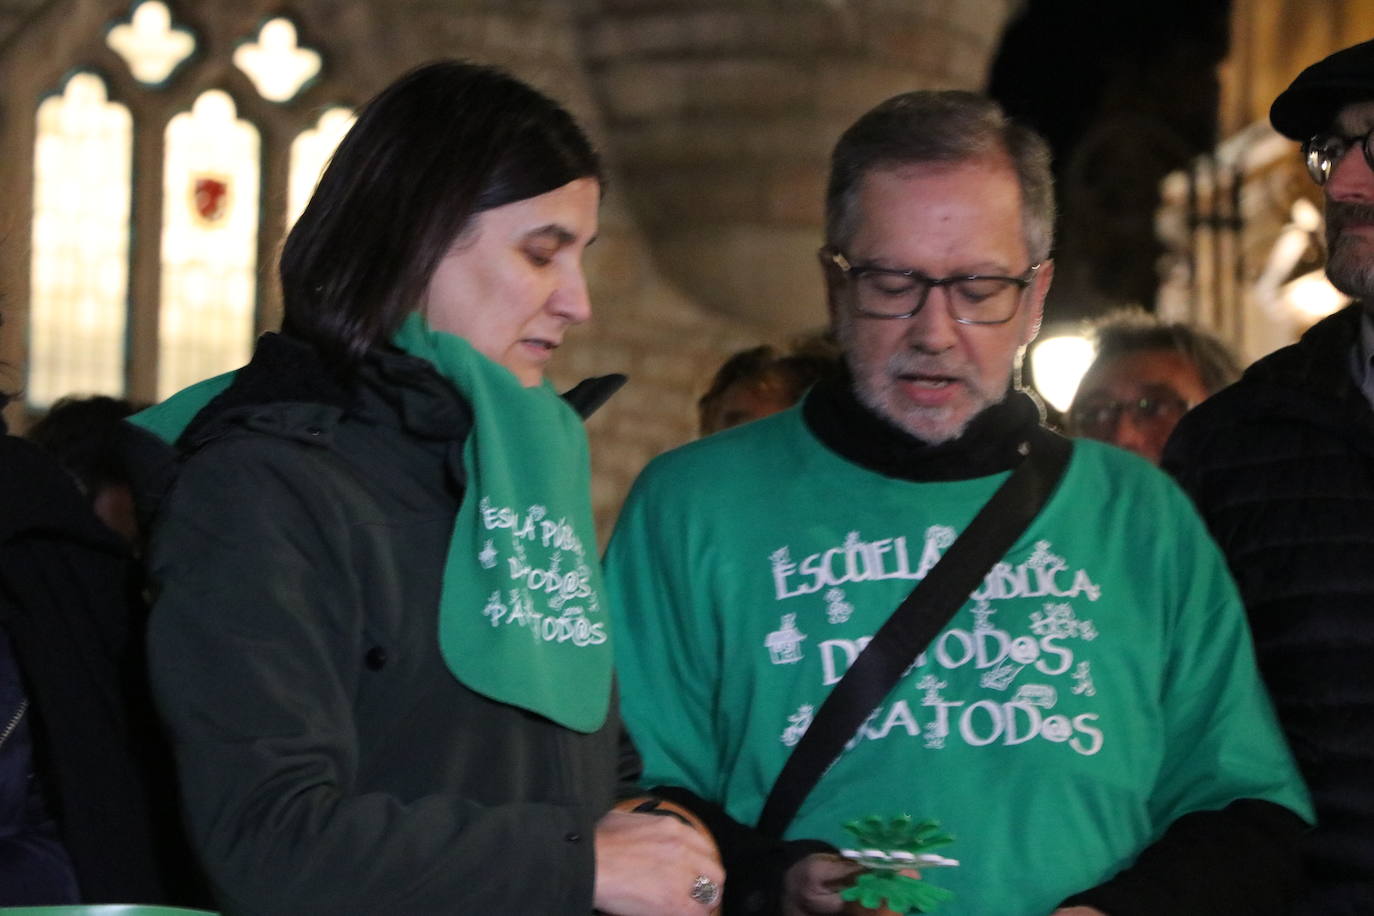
point(1323, 151)
point(882, 292)
point(1098, 419)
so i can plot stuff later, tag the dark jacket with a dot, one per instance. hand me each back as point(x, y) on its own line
point(70, 609)
point(1281, 466)
point(35, 869)
point(331, 761)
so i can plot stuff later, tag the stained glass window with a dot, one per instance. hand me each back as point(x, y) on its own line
point(150, 44)
point(275, 64)
point(310, 152)
point(210, 213)
point(85, 332)
point(80, 255)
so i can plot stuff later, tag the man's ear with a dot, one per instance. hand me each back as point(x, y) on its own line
point(830, 276)
point(1035, 299)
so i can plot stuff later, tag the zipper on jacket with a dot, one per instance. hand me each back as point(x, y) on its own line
point(14, 721)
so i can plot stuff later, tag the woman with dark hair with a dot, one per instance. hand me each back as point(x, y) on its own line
point(380, 640)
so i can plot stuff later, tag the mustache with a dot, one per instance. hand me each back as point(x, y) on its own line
point(1341, 214)
point(906, 363)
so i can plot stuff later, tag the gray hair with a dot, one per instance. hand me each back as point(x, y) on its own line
point(1132, 330)
point(944, 126)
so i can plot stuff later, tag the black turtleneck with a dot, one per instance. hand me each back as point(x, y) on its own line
point(992, 442)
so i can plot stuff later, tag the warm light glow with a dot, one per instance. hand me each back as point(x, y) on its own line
point(277, 67)
point(150, 44)
point(210, 205)
point(79, 267)
point(1305, 215)
point(1312, 296)
point(310, 152)
point(1057, 366)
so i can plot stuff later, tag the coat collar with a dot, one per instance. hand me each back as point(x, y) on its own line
point(1319, 363)
point(288, 389)
point(1311, 383)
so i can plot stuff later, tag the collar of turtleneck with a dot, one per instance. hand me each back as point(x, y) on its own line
point(992, 442)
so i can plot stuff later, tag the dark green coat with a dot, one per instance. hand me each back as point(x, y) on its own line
point(330, 762)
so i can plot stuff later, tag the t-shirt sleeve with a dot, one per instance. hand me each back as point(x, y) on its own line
point(1223, 742)
point(665, 651)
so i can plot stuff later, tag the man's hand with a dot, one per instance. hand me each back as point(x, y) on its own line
point(646, 865)
point(812, 886)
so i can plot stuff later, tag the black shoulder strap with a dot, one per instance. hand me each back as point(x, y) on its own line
point(917, 620)
point(587, 396)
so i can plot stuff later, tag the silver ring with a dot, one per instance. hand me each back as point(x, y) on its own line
point(705, 891)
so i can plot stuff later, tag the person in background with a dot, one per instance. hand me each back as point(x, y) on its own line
point(1145, 376)
point(1281, 466)
point(85, 435)
point(1089, 725)
point(760, 381)
point(35, 867)
point(88, 807)
point(380, 639)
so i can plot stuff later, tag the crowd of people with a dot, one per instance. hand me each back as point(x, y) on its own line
point(329, 634)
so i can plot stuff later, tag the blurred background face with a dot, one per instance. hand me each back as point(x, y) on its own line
point(747, 400)
point(513, 283)
point(1134, 400)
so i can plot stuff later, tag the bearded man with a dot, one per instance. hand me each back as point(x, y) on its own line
point(1086, 719)
point(1281, 466)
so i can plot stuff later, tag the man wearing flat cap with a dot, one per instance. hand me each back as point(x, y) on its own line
point(1281, 466)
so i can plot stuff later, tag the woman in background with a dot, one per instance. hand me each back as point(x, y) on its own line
point(88, 811)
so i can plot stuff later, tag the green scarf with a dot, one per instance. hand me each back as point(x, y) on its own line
point(169, 419)
point(522, 619)
point(521, 614)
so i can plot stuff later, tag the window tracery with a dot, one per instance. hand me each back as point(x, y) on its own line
point(201, 304)
point(278, 67)
point(209, 243)
point(310, 153)
point(79, 266)
point(150, 44)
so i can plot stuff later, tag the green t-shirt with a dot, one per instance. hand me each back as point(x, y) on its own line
point(1096, 687)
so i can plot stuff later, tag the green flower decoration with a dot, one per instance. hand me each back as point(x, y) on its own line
point(884, 885)
point(896, 892)
point(898, 833)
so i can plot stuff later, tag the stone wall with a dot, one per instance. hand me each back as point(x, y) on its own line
point(716, 119)
point(722, 114)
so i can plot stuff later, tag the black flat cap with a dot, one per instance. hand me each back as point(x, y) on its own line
point(1308, 106)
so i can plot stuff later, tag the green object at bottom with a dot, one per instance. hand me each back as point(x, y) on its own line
point(900, 893)
point(102, 909)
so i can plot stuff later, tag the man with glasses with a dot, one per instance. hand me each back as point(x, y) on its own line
point(1145, 375)
point(1089, 724)
point(1281, 466)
